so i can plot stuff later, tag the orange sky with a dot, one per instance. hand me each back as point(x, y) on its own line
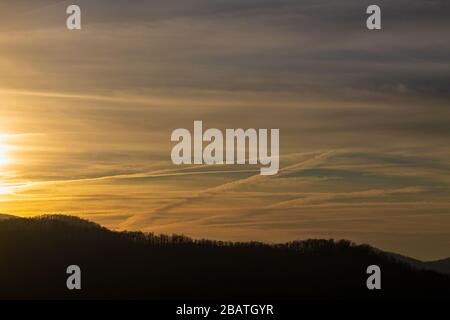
point(86, 119)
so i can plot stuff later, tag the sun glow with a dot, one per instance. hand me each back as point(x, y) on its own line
point(4, 154)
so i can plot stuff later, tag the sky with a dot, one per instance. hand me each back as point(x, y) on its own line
point(364, 117)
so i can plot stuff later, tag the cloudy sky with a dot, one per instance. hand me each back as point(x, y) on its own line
point(364, 117)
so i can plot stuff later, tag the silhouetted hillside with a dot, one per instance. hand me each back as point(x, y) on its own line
point(34, 255)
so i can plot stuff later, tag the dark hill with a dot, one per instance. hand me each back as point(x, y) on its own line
point(34, 255)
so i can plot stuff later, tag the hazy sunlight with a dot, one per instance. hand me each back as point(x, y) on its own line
point(4, 154)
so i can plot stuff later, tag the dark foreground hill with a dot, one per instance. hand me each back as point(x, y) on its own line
point(34, 255)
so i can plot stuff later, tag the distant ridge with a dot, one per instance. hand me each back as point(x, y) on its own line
point(441, 266)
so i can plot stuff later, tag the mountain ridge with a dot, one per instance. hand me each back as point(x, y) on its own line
point(134, 265)
point(439, 265)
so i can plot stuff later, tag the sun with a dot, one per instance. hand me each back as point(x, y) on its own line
point(4, 154)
